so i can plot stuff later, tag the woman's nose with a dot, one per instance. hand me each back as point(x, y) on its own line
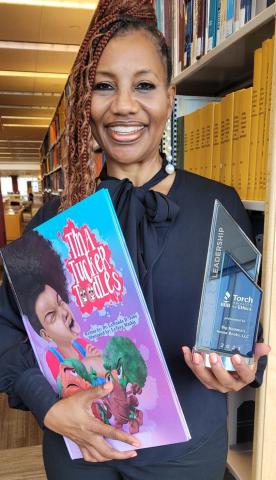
point(124, 103)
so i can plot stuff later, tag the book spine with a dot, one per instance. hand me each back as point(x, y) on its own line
point(188, 33)
point(216, 142)
point(230, 17)
point(212, 24)
point(200, 45)
point(254, 121)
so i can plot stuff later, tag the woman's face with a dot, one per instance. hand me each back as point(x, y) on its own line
point(56, 318)
point(131, 99)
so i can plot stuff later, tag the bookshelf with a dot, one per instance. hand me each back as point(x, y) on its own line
point(226, 68)
point(230, 64)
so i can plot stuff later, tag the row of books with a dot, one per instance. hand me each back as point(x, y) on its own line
point(193, 27)
point(228, 140)
point(54, 158)
point(53, 182)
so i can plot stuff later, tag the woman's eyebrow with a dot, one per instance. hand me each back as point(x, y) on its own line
point(108, 73)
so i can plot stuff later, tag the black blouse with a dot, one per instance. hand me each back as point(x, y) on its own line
point(168, 239)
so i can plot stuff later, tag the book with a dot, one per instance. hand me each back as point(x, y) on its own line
point(76, 287)
point(227, 109)
point(254, 122)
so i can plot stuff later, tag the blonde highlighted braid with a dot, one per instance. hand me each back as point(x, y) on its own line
point(110, 18)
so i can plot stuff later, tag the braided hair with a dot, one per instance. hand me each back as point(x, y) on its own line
point(111, 18)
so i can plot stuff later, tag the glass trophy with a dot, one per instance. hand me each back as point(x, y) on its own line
point(231, 299)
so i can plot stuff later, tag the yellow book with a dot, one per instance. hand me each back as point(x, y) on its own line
point(207, 118)
point(254, 122)
point(264, 164)
point(227, 109)
point(196, 160)
point(245, 105)
point(189, 143)
point(235, 140)
point(201, 157)
point(187, 139)
point(262, 106)
point(216, 142)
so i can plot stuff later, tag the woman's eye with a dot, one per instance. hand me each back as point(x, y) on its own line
point(102, 86)
point(145, 86)
point(50, 317)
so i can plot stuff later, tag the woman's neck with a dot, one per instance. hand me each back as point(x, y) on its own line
point(68, 350)
point(138, 173)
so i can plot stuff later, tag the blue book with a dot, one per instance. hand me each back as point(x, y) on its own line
point(212, 25)
point(230, 17)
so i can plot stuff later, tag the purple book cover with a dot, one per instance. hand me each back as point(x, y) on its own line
point(88, 322)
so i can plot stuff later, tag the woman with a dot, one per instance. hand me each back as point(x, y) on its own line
point(122, 97)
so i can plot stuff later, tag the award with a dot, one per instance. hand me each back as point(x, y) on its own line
point(231, 299)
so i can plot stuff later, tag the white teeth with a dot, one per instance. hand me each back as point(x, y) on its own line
point(126, 130)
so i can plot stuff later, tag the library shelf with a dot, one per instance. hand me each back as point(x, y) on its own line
point(240, 464)
point(256, 205)
point(230, 64)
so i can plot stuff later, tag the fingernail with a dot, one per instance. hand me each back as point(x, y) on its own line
point(185, 350)
point(134, 454)
point(237, 359)
point(136, 443)
point(213, 358)
point(196, 358)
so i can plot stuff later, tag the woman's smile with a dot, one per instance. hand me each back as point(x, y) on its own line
point(126, 132)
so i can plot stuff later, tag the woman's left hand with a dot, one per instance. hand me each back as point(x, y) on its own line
point(216, 377)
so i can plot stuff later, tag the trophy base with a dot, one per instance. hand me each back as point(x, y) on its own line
point(226, 361)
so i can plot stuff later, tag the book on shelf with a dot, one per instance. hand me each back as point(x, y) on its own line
point(81, 272)
point(240, 138)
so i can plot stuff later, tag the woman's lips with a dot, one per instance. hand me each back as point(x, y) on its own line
point(126, 134)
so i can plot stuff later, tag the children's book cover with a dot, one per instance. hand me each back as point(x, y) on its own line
point(88, 322)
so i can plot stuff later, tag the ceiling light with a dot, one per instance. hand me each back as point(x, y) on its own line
point(81, 5)
point(14, 73)
point(45, 47)
point(19, 148)
point(15, 117)
point(29, 94)
point(24, 126)
point(20, 141)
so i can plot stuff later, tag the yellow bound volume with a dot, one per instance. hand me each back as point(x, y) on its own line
point(262, 106)
point(216, 142)
point(254, 123)
point(227, 109)
point(245, 105)
point(263, 177)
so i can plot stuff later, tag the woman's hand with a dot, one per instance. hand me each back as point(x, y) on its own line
point(216, 377)
point(73, 418)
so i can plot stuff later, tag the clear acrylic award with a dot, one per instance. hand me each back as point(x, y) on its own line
point(231, 299)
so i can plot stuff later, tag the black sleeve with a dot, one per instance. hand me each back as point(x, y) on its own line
point(20, 376)
point(243, 220)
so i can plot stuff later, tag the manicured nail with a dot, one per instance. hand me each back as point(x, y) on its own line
point(136, 443)
point(185, 350)
point(237, 359)
point(134, 454)
point(213, 358)
point(196, 358)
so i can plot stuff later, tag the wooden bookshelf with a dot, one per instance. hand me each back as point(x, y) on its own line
point(240, 464)
point(255, 205)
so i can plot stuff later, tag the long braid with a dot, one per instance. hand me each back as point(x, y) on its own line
point(110, 17)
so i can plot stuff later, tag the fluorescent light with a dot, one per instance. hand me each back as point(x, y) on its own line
point(37, 149)
point(24, 126)
point(25, 107)
point(14, 73)
point(81, 5)
point(44, 47)
point(15, 117)
point(29, 94)
point(20, 141)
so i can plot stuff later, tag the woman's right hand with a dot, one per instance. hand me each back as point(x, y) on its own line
point(73, 418)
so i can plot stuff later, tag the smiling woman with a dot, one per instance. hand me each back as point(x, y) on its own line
point(121, 97)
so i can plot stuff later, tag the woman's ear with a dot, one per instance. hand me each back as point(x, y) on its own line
point(45, 335)
point(171, 97)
